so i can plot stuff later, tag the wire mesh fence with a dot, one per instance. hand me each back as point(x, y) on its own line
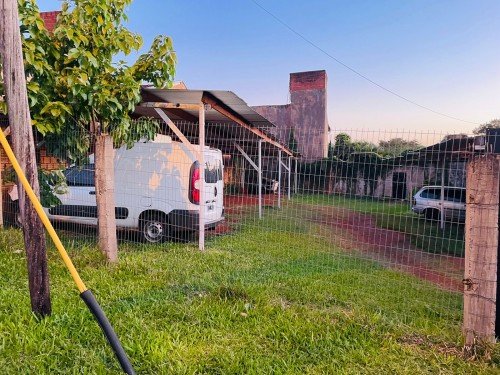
point(379, 219)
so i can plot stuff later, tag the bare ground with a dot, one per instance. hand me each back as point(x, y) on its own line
point(355, 232)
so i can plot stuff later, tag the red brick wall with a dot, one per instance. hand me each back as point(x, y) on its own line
point(50, 19)
point(308, 80)
point(46, 162)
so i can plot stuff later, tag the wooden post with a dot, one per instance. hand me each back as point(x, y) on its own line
point(24, 149)
point(105, 196)
point(481, 250)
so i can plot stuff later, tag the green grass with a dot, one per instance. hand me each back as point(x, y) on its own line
point(260, 301)
point(398, 216)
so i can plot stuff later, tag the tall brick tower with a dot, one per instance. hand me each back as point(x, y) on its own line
point(50, 19)
point(306, 115)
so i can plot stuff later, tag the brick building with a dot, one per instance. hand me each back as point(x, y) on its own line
point(44, 161)
point(305, 115)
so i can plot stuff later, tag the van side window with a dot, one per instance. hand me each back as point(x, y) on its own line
point(213, 171)
point(80, 176)
point(455, 195)
point(432, 193)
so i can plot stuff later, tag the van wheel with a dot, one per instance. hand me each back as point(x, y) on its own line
point(154, 229)
point(432, 215)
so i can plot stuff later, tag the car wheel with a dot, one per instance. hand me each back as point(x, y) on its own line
point(154, 229)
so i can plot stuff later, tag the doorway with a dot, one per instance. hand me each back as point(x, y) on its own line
point(399, 185)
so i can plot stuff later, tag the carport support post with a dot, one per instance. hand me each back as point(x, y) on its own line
point(289, 176)
point(201, 240)
point(441, 203)
point(481, 318)
point(260, 178)
point(279, 178)
point(295, 181)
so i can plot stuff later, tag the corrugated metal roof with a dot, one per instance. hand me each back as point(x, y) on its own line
point(229, 98)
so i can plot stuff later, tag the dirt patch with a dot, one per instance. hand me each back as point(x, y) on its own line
point(235, 206)
point(353, 231)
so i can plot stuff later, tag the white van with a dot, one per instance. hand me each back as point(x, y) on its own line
point(156, 190)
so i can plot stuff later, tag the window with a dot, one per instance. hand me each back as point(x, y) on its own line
point(432, 193)
point(454, 195)
point(213, 171)
point(80, 176)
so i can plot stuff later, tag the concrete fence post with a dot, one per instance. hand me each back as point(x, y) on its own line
point(481, 250)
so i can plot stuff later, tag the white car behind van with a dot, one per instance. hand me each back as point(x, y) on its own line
point(428, 202)
point(157, 190)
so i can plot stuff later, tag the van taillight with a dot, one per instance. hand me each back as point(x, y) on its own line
point(194, 191)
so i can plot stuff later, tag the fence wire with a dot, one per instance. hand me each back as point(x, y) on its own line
point(379, 218)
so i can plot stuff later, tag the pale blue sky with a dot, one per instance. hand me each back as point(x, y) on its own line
point(443, 54)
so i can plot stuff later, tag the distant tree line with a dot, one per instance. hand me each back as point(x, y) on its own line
point(349, 160)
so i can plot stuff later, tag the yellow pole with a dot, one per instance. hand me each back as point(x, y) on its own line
point(41, 213)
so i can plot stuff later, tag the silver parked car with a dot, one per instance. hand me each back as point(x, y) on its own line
point(427, 201)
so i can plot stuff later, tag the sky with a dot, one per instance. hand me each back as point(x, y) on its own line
point(441, 54)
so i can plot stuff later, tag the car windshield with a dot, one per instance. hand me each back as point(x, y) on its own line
point(431, 193)
point(80, 176)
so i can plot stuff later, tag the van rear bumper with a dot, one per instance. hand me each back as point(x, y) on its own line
point(187, 220)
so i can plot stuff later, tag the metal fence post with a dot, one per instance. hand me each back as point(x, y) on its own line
point(201, 141)
point(260, 178)
point(279, 178)
point(296, 181)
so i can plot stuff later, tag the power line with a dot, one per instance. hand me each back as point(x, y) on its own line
point(310, 42)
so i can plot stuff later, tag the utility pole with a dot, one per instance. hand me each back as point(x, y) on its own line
point(24, 149)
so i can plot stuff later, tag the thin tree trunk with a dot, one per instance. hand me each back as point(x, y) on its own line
point(105, 196)
point(24, 148)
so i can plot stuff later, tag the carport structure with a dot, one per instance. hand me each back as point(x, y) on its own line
point(219, 119)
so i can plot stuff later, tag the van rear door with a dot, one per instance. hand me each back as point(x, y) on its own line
point(214, 186)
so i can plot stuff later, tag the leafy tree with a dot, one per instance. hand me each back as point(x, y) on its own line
point(78, 96)
point(447, 137)
point(344, 148)
point(493, 124)
point(397, 146)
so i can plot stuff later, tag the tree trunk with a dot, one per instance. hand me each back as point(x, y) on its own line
point(105, 196)
point(24, 148)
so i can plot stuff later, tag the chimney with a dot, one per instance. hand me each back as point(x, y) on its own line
point(50, 19)
point(313, 80)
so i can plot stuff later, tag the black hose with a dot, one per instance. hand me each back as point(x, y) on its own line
point(110, 334)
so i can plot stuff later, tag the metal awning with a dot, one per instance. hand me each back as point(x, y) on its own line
point(228, 118)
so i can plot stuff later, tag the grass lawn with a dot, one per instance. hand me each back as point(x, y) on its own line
point(262, 300)
point(398, 216)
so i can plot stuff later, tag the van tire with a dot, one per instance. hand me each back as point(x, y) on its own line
point(154, 227)
point(432, 214)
